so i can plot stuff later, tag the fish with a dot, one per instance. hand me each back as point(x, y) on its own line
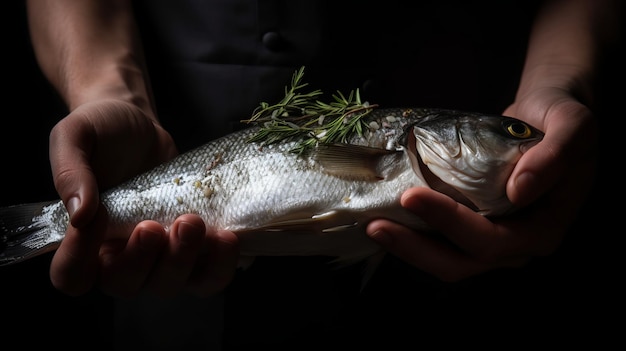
point(317, 203)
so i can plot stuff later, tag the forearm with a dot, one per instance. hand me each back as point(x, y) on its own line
point(90, 50)
point(565, 44)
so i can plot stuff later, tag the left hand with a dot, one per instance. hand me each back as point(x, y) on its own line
point(550, 184)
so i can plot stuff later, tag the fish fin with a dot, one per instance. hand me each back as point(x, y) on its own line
point(305, 222)
point(21, 235)
point(344, 261)
point(371, 265)
point(350, 161)
point(245, 262)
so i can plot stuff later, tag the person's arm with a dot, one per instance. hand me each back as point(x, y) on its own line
point(552, 180)
point(557, 87)
point(91, 53)
point(112, 67)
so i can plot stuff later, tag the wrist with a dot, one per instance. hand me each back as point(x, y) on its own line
point(121, 80)
point(574, 80)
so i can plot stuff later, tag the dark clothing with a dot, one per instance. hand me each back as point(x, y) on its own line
point(213, 62)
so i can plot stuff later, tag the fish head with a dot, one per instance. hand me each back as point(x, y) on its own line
point(470, 157)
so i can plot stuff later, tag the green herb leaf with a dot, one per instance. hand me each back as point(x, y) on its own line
point(302, 116)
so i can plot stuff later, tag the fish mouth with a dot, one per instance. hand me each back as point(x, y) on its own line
point(432, 180)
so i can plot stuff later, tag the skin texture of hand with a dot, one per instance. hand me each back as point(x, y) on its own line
point(98, 145)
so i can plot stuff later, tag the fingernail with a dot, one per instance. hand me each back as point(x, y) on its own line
point(525, 187)
point(381, 237)
point(525, 181)
point(73, 204)
point(189, 234)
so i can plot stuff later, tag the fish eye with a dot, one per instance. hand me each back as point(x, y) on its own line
point(518, 129)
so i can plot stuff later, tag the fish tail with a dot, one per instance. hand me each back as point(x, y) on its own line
point(25, 232)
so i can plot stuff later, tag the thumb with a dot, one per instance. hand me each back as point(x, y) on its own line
point(72, 174)
point(75, 265)
point(535, 173)
point(567, 146)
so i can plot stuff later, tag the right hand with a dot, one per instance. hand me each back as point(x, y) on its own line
point(98, 145)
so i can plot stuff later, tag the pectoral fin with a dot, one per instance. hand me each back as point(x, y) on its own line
point(350, 161)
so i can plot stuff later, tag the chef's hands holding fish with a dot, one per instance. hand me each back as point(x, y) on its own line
point(111, 110)
point(100, 144)
point(550, 182)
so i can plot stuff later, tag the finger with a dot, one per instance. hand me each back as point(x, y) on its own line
point(474, 234)
point(73, 177)
point(179, 257)
point(570, 137)
point(459, 224)
point(74, 266)
point(215, 269)
point(424, 251)
point(533, 231)
point(545, 222)
point(126, 265)
point(536, 172)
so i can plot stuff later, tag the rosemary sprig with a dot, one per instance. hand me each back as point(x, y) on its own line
point(302, 116)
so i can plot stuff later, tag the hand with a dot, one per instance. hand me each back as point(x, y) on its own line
point(101, 144)
point(552, 180)
point(190, 258)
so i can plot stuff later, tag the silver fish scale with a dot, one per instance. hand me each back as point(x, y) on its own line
point(238, 185)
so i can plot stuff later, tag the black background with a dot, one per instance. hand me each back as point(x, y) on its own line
point(568, 298)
